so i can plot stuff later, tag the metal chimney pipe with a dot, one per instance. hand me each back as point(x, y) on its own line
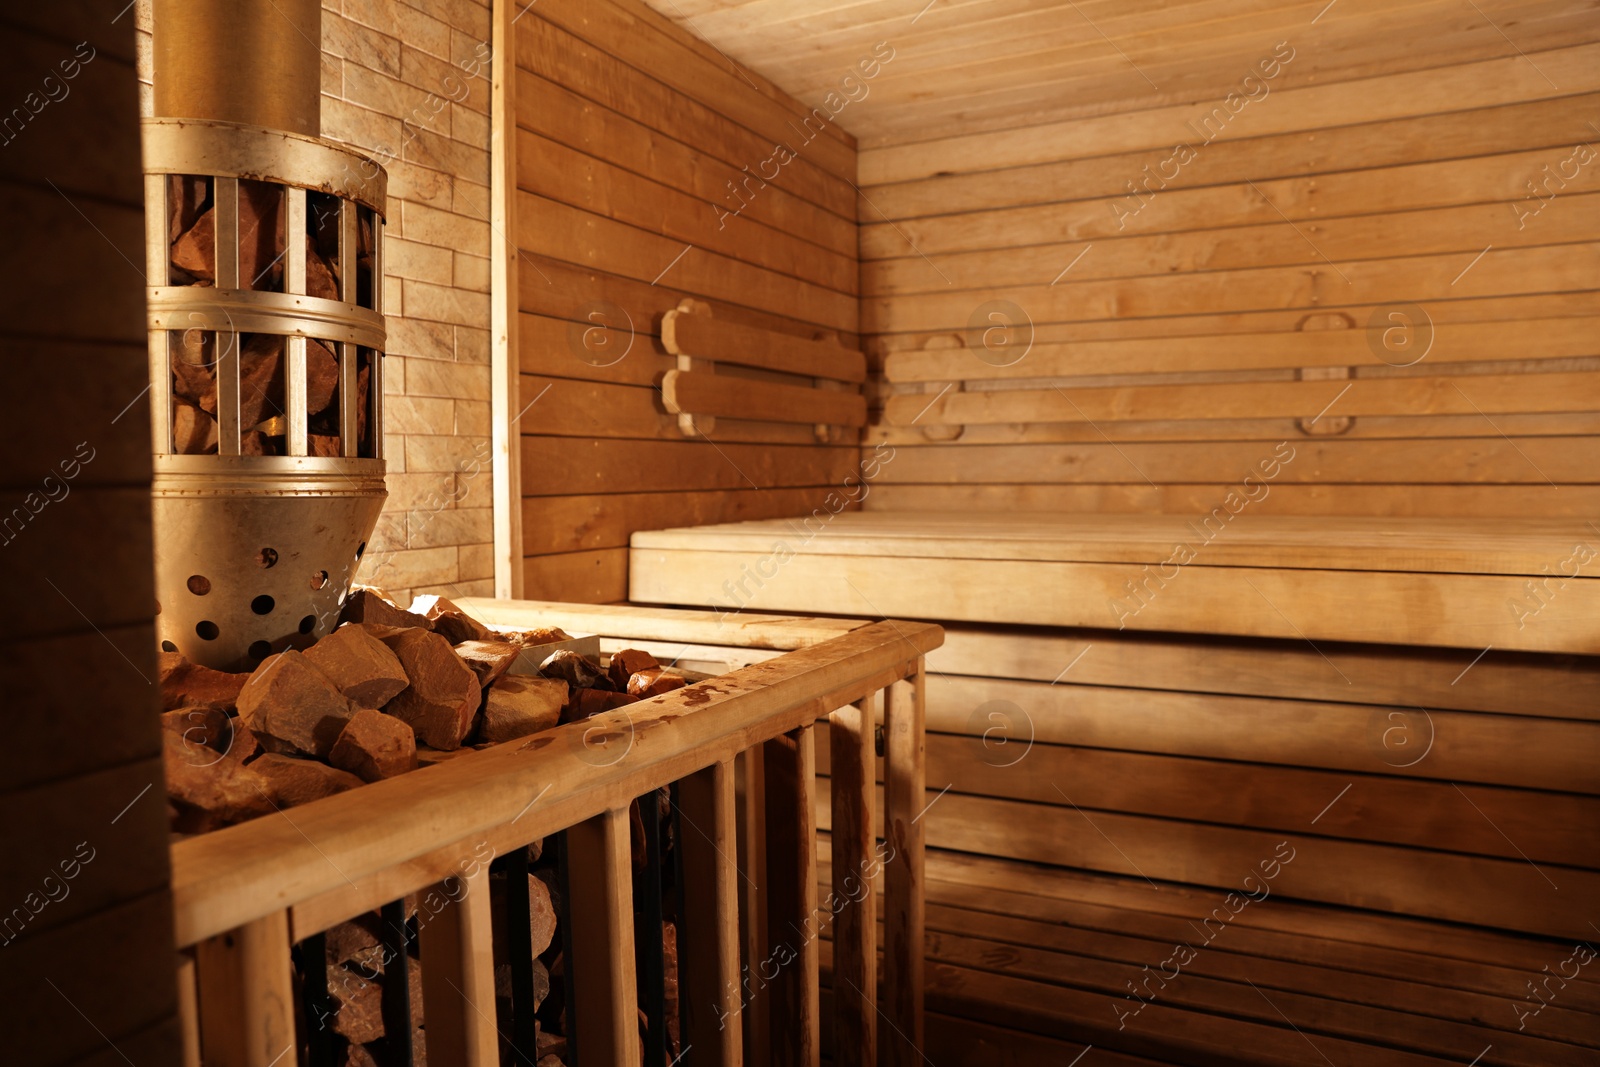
point(256, 62)
point(265, 267)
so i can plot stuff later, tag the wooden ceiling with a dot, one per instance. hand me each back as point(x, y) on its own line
point(965, 65)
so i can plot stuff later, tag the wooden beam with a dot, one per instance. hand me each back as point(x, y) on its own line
point(458, 975)
point(730, 342)
point(247, 998)
point(791, 890)
point(504, 402)
point(703, 393)
point(708, 937)
point(903, 903)
point(605, 1002)
point(853, 779)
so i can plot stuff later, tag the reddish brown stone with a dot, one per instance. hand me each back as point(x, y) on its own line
point(588, 702)
point(324, 446)
point(626, 664)
point(293, 707)
point(541, 915)
point(653, 681)
point(194, 433)
point(320, 280)
point(193, 377)
point(488, 659)
point(574, 669)
point(358, 1005)
point(369, 606)
point(262, 389)
point(354, 940)
point(361, 666)
point(208, 790)
point(443, 697)
point(518, 705)
point(185, 684)
point(449, 621)
point(374, 746)
point(300, 781)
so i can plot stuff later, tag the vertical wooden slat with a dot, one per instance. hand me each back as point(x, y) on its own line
point(753, 902)
point(708, 935)
point(903, 907)
point(225, 193)
point(505, 393)
point(792, 913)
point(458, 976)
point(855, 941)
point(158, 259)
point(605, 1008)
point(247, 994)
point(188, 1010)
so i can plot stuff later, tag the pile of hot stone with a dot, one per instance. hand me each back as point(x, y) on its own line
point(388, 691)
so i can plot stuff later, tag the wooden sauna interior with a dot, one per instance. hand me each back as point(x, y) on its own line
point(1232, 385)
point(1223, 376)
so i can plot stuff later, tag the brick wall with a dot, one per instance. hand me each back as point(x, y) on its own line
point(409, 83)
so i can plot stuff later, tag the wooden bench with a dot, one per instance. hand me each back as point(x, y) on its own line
point(1358, 695)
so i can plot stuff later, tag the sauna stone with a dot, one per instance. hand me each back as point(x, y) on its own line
point(293, 707)
point(363, 667)
point(185, 684)
point(374, 746)
point(300, 781)
point(518, 705)
point(367, 606)
point(488, 659)
point(653, 681)
point(443, 697)
point(628, 662)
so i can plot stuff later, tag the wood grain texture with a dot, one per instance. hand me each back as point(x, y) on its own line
point(639, 152)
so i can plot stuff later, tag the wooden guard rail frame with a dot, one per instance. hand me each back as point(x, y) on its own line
point(697, 394)
point(244, 895)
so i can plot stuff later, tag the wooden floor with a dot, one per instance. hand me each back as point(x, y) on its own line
point(1527, 584)
point(1033, 965)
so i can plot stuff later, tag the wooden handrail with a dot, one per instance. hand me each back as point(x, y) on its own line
point(297, 874)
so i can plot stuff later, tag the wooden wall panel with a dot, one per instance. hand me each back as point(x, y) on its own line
point(1078, 315)
point(645, 177)
point(85, 912)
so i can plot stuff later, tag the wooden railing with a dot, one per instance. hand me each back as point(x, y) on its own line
point(245, 895)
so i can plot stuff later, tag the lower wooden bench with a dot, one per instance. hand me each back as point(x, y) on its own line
point(1409, 710)
point(1033, 965)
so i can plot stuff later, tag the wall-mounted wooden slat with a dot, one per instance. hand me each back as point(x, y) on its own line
point(1452, 342)
point(1323, 287)
point(729, 342)
point(1460, 395)
point(458, 976)
point(247, 994)
point(712, 992)
point(723, 396)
